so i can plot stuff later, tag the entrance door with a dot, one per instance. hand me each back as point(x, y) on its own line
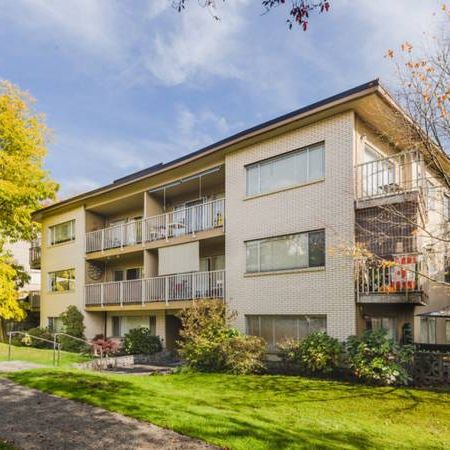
point(173, 327)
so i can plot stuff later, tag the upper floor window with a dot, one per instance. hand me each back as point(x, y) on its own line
point(63, 232)
point(294, 251)
point(297, 167)
point(61, 280)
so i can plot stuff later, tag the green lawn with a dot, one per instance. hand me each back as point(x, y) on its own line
point(263, 412)
point(38, 356)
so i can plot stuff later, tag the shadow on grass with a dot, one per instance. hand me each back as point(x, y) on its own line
point(231, 411)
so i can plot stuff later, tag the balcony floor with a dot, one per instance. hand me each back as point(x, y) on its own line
point(411, 298)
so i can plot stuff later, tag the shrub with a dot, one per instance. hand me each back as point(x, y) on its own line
point(105, 346)
point(36, 343)
point(141, 341)
point(317, 353)
point(208, 344)
point(375, 358)
point(73, 321)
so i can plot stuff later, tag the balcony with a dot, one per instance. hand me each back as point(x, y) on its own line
point(162, 289)
point(181, 222)
point(390, 177)
point(390, 282)
point(35, 255)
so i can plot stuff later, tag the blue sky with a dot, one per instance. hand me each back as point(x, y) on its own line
point(127, 84)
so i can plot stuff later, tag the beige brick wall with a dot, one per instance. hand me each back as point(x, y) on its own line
point(327, 204)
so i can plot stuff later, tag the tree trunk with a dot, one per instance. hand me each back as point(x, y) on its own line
point(2, 330)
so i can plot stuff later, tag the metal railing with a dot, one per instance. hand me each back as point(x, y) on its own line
point(184, 286)
point(205, 216)
point(390, 175)
point(387, 277)
point(35, 254)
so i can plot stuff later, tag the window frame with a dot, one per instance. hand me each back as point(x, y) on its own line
point(268, 239)
point(71, 281)
point(427, 321)
point(298, 317)
point(52, 233)
point(258, 164)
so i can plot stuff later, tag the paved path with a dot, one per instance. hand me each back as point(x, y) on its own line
point(14, 366)
point(33, 420)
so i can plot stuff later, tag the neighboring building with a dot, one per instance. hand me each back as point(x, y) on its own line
point(267, 220)
point(29, 294)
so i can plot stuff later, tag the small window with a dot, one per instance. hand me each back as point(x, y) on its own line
point(428, 330)
point(447, 331)
point(293, 251)
point(55, 324)
point(446, 212)
point(277, 329)
point(62, 280)
point(297, 167)
point(63, 232)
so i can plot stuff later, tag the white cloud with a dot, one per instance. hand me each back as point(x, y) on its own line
point(95, 26)
point(197, 46)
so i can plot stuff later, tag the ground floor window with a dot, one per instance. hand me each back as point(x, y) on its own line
point(121, 325)
point(276, 329)
point(386, 323)
point(55, 324)
point(447, 331)
point(428, 330)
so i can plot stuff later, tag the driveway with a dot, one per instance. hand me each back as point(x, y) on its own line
point(33, 420)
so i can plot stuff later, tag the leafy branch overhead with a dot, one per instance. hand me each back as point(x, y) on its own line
point(299, 10)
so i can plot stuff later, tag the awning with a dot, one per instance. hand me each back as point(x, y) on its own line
point(445, 313)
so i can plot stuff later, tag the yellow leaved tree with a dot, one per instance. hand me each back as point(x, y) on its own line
point(24, 185)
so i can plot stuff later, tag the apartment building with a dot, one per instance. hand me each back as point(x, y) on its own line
point(266, 220)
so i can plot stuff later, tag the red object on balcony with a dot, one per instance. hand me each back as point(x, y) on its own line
point(403, 275)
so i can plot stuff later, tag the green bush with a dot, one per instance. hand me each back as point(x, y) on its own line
point(141, 341)
point(25, 341)
point(73, 322)
point(375, 358)
point(318, 353)
point(208, 344)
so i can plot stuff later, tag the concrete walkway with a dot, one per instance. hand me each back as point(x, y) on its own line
point(14, 366)
point(32, 420)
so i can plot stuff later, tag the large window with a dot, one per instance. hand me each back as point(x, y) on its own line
point(297, 167)
point(121, 325)
point(293, 251)
point(63, 232)
point(62, 280)
point(428, 330)
point(276, 329)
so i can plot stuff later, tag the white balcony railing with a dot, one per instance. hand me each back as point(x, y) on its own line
point(389, 277)
point(391, 175)
point(185, 286)
point(206, 216)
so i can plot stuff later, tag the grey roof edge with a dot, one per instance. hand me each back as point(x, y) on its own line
point(228, 140)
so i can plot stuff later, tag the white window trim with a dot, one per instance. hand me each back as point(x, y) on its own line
point(51, 229)
point(260, 164)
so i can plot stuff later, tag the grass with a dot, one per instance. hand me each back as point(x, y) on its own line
point(39, 356)
point(263, 412)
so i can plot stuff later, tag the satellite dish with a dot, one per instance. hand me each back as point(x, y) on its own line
point(96, 270)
